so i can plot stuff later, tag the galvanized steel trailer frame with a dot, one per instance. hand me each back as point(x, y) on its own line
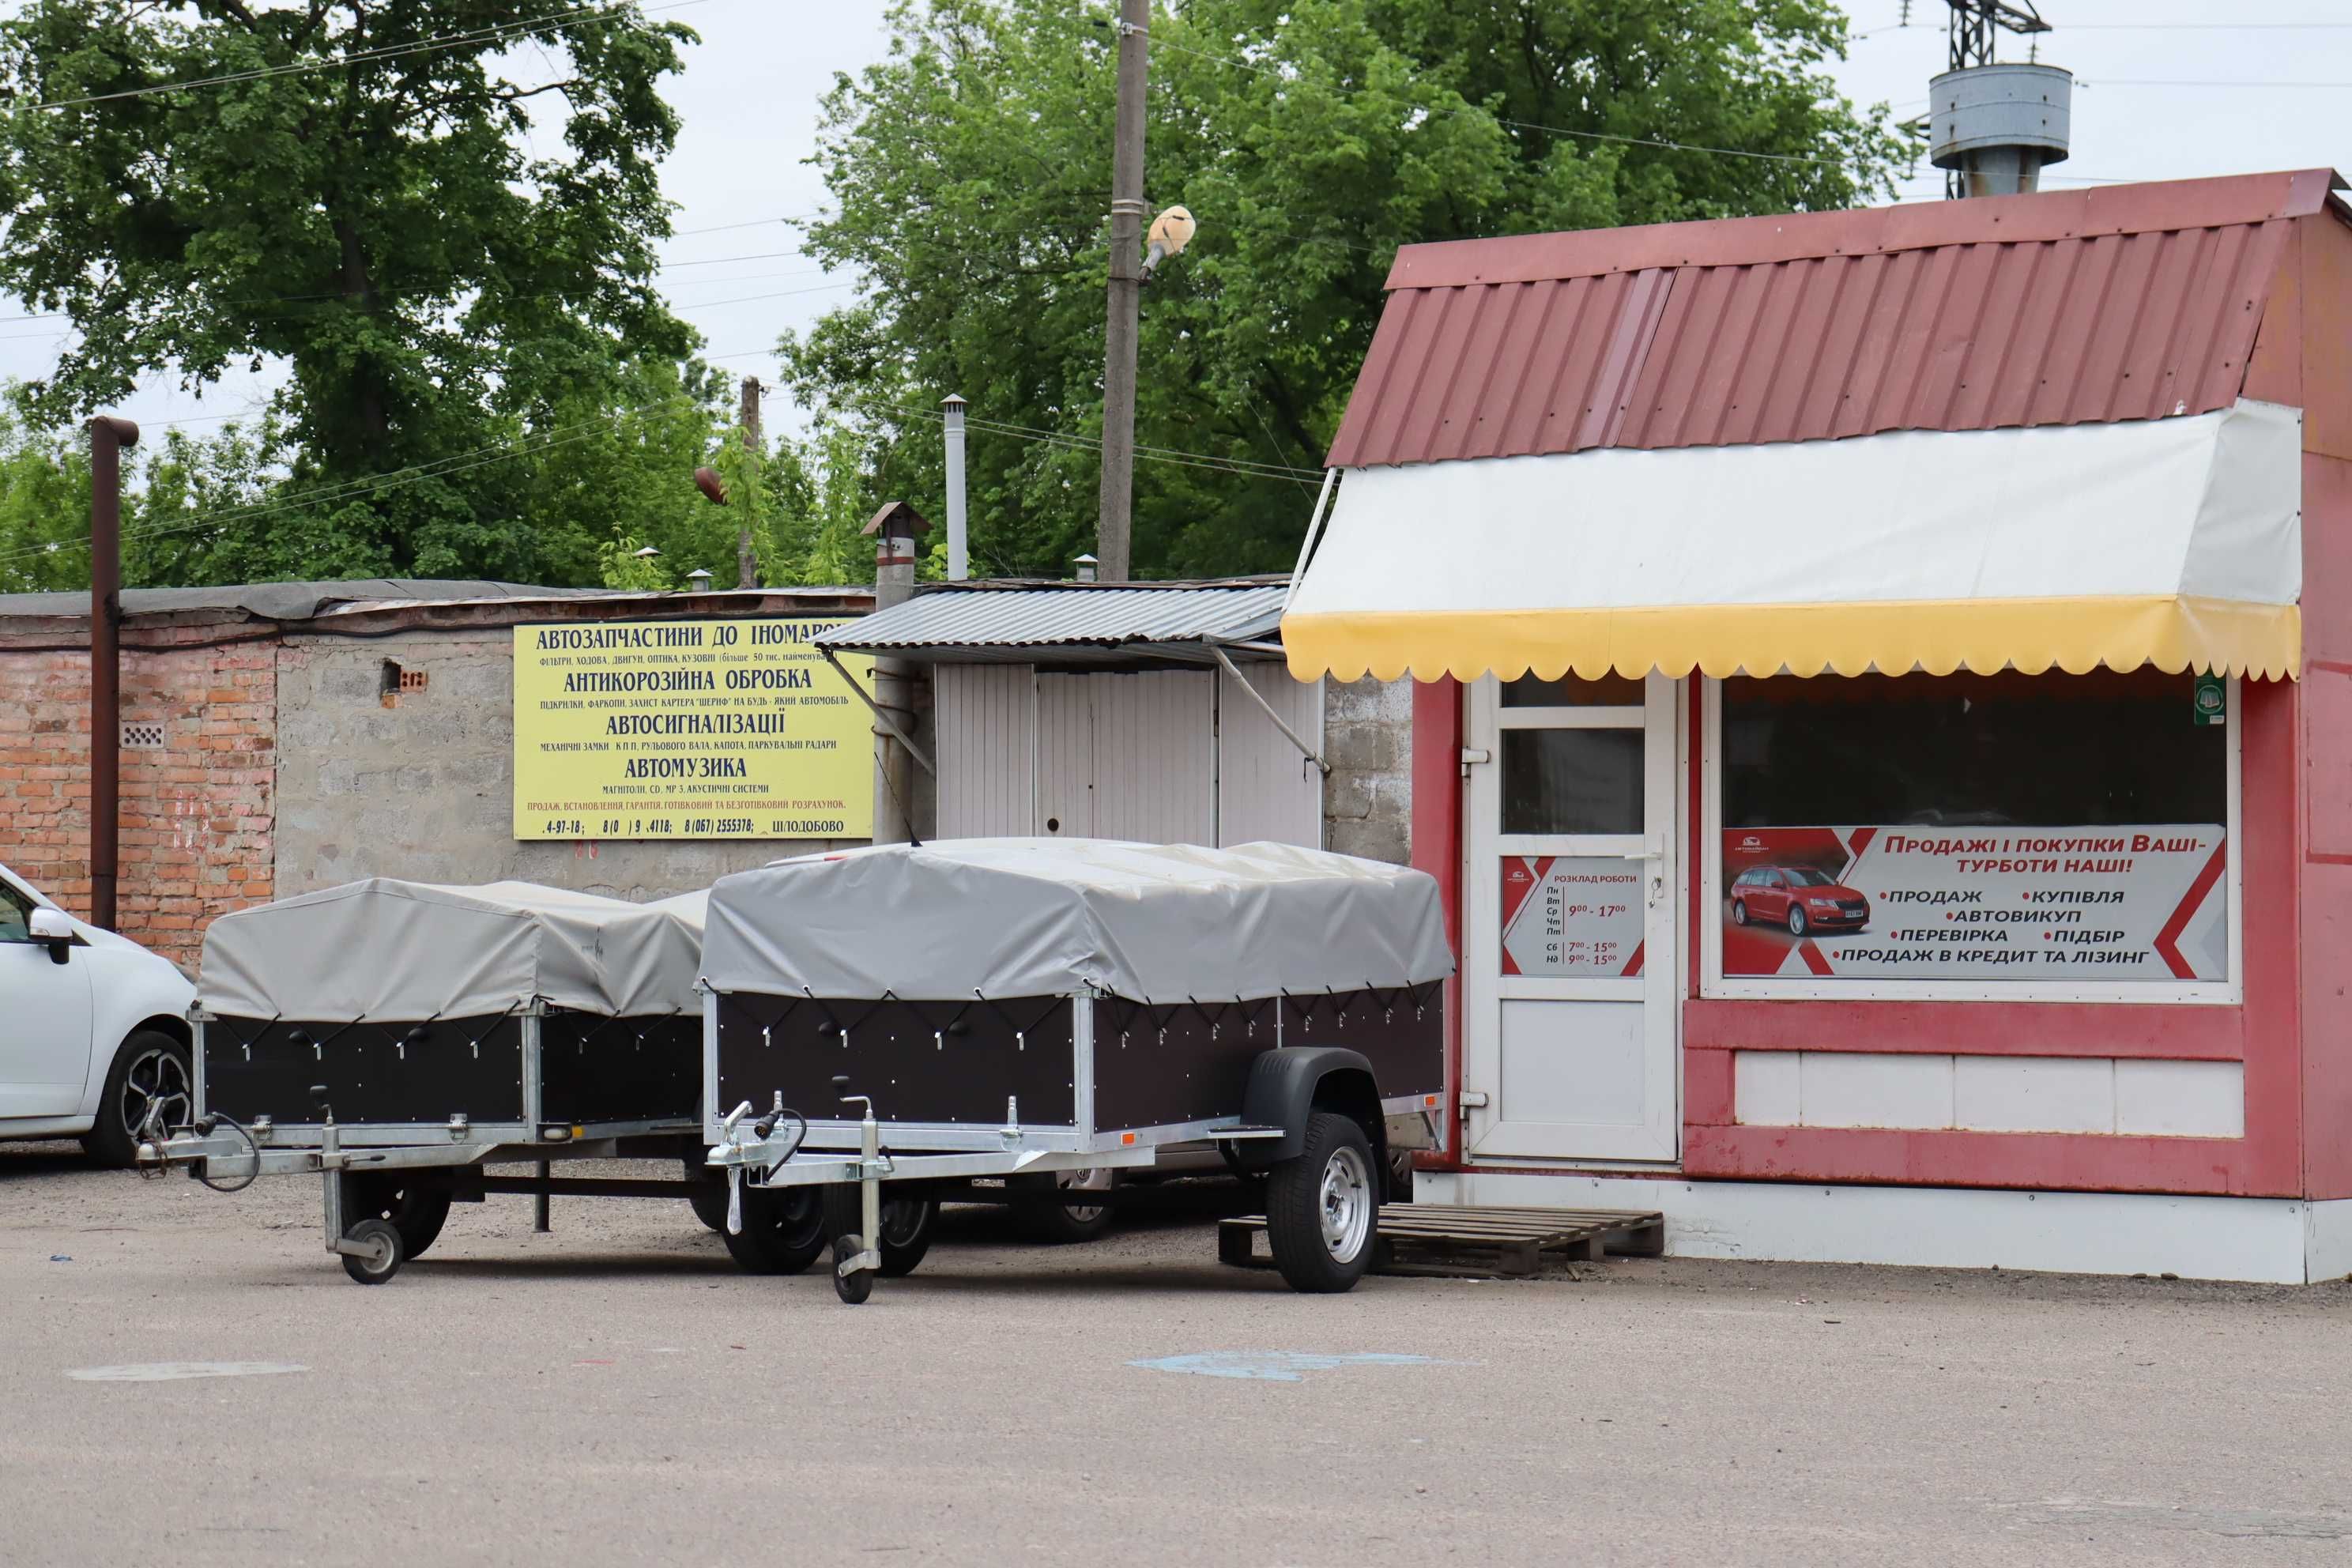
point(215, 1148)
point(763, 1155)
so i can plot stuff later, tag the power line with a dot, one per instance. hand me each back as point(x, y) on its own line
point(390, 52)
point(2105, 81)
point(1658, 142)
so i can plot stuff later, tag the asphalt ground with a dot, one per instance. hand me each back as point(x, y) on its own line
point(616, 1393)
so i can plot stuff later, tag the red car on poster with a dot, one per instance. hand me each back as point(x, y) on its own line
point(1803, 899)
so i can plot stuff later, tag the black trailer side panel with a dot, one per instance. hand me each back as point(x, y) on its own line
point(1399, 1031)
point(377, 1072)
point(595, 1069)
point(1160, 1067)
point(931, 1062)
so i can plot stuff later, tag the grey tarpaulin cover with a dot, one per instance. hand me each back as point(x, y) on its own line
point(387, 950)
point(1040, 917)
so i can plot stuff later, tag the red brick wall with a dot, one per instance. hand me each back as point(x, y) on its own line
point(199, 816)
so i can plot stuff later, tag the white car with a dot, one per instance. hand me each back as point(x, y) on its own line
point(93, 1029)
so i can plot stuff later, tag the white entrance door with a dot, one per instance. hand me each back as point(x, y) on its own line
point(1570, 959)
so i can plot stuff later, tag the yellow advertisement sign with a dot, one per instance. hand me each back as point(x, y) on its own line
point(689, 729)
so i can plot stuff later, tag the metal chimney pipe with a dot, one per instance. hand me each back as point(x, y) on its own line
point(959, 564)
point(1998, 126)
point(108, 437)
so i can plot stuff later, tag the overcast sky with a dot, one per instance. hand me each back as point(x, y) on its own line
point(2144, 110)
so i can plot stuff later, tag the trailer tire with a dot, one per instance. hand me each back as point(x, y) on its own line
point(1038, 1201)
point(708, 1197)
point(416, 1212)
point(381, 1263)
point(855, 1285)
point(906, 1231)
point(1322, 1208)
point(784, 1230)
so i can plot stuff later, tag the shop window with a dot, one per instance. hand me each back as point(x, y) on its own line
point(1572, 781)
point(2058, 829)
point(1975, 750)
point(1573, 691)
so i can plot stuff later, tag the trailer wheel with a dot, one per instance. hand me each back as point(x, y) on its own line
point(381, 1260)
point(1043, 1210)
point(854, 1287)
point(416, 1210)
point(1322, 1208)
point(784, 1230)
point(907, 1226)
point(708, 1197)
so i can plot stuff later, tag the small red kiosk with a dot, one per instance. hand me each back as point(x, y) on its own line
point(1885, 729)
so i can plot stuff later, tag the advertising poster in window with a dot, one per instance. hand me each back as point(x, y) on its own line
point(689, 729)
point(1571, 915)
point(2146, 903)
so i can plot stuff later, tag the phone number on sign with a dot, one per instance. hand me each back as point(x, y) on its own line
point(665, 826)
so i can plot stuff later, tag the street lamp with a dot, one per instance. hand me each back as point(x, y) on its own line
point(1171, 231)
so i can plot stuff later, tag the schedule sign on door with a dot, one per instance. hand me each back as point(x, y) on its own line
point(1571, 915)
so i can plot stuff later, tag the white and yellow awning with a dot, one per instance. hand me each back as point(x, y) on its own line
point(2175, 542)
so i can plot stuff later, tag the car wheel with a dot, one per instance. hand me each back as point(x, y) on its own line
point(1322, 1208)
point(1739, 912)
point(1050, 1220)
point(1796, 920)
point(905, 1232)
point(150, 1070)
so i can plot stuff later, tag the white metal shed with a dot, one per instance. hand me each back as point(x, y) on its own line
point(1153, 713)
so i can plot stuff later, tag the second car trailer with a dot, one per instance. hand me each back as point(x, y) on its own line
point(1017, 1007)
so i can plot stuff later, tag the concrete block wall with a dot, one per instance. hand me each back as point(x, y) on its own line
point(196, 832)
point(1368, 741)
point(425, 788)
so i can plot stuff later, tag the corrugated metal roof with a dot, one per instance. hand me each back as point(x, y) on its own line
point(2126, 302)
point(1055, 624)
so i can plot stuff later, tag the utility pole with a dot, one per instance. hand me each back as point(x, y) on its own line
point(747, 571)
point(108, 437)
point(1112, 536)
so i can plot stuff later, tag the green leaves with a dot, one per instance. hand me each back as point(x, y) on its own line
point(971, 173)
point(372, 212)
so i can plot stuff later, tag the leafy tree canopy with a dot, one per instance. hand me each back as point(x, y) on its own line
point(970, 171)
point(355, 192)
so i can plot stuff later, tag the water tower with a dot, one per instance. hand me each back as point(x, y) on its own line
point(1994, 125)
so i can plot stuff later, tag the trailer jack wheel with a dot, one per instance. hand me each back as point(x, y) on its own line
point(852, 1277)
point(373, 1254)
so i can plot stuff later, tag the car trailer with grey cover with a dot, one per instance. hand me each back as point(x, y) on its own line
point(1016, 1008)
point(396, 1037)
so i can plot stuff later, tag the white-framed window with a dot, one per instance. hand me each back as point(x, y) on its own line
point(2004, 838)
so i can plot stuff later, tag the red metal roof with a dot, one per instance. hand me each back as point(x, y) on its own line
point(2062, 308)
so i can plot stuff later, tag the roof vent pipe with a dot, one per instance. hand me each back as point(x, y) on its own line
point(1996, 127)
point(958, 563)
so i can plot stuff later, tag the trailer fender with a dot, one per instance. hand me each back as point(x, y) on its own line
point(1287, 1084)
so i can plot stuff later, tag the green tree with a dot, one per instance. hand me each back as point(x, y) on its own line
point(1310, 138)
point(351, 189)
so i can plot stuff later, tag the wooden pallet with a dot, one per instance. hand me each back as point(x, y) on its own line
point(1460, 1241)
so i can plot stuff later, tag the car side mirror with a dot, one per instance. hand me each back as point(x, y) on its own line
point(51, 927)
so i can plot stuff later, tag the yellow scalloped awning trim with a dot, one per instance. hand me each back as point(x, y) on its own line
point(1938, 636)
